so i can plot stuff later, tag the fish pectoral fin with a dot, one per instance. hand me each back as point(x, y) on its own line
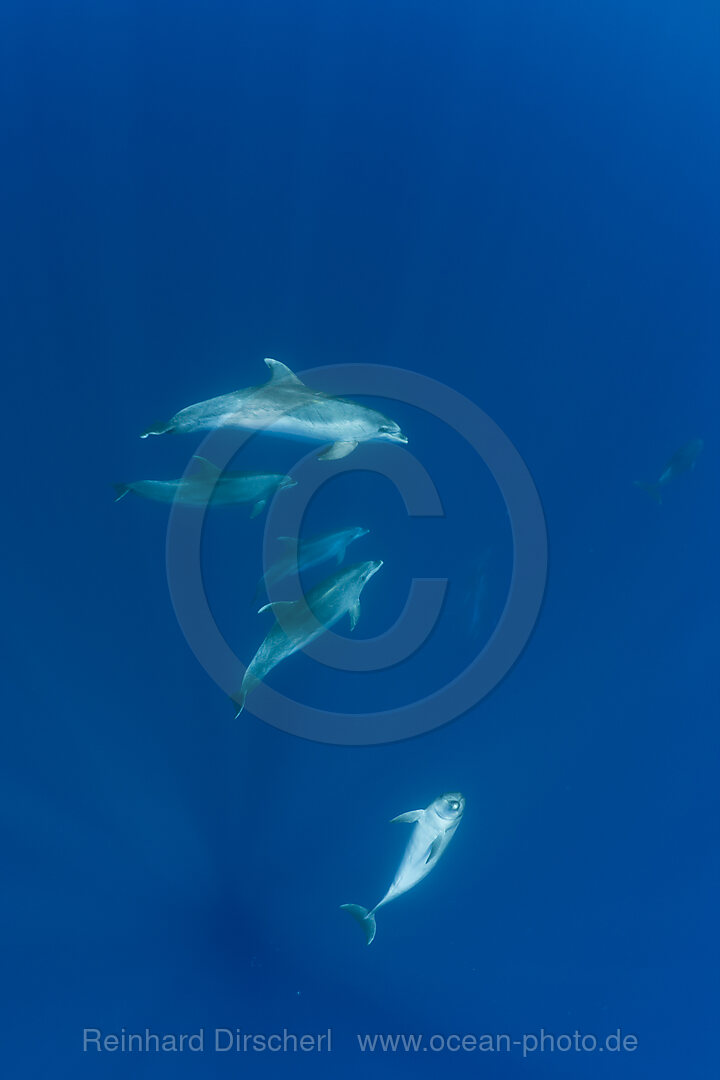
point(282, 373)
point(276, 605)
point(354, 613)
point(408, 818)
point(205, 469)
point(258, 508)
point(434, 849)
point(337, 450)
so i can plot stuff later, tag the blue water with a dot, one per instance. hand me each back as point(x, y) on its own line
point(519, 200)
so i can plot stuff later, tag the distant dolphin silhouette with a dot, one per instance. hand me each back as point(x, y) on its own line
point(682, 460)
point(304, 554)
point(284, 405)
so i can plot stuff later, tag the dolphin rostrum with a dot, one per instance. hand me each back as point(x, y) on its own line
point(303, 554)
point(209, 485)
point(285, 406)
point(682, 460)
point(301, 621)
point(434, 829)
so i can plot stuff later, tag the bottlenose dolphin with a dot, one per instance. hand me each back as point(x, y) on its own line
point(209, 485)
point(301, 621)
point(311, 552)
point(434, 829)
point(682, 460)
point(285, 406)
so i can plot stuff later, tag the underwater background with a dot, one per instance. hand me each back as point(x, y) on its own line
point(520, 200)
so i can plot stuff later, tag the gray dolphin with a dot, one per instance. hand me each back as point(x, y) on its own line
point(306, 553)
point(682, 460)
point(211, 486)
point(285, 406)
point(301, 621)
point(434, 829)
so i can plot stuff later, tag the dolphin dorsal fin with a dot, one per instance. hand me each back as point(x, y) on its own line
point(275, 604)
point(205, 469)
point(282, 373)
point(409, 817)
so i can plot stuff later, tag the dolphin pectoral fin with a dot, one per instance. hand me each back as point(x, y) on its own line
point(340, 555)
point(433, 849)
point(281, 373)
point(275, 604)
point(364, 917)
point(337, 450)
point(354, 613)
point(258, 508)
point(409, 818)
point(121, 491)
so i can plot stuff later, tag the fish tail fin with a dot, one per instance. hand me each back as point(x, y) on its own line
point(364, 917)
point(160, 428)
point(120, 491)
point(653, 490)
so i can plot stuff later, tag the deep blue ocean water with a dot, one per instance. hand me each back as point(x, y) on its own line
point(519, 200)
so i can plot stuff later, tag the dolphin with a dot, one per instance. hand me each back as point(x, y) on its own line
point(301, 621)
point(285, 406)
point(434, 829)
point(682, 460)
point(306, 553)
point(209, 485)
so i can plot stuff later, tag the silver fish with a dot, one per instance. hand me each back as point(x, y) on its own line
point(434, 829)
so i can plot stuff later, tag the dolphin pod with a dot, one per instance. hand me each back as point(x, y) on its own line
point(301, 621)
point(210, 486)
point(434, 828)
point(285, 406)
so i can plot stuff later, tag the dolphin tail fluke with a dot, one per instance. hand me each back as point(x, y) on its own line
point(238, 699)
point(238, 702)
point(121, 491)
point(158, 429)
point(653, 490)
point(364, 917)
